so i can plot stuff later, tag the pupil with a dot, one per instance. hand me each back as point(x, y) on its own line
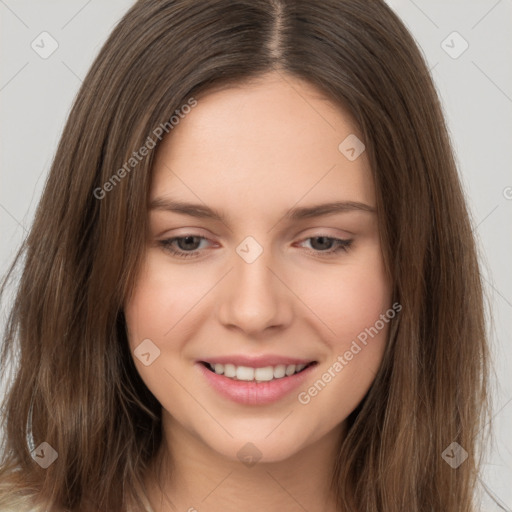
point(325, 239)
point(185, 241)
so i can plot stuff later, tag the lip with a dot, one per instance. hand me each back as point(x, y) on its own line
point(252, 392)
point(255, 361)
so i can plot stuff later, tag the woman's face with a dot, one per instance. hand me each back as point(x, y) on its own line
point(275, 282)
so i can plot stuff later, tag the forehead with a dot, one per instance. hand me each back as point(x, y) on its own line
point(276, 139)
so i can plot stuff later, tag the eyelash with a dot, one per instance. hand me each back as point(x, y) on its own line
point(340, 245)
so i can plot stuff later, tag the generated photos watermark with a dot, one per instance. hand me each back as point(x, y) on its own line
point(305, 397)
point(144, 150)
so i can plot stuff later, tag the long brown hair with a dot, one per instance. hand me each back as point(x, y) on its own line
point(75, 385)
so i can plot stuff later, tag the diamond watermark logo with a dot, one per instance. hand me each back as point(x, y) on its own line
point(45, 455)
point(249, 455)
point(455, 455)
point(147, 352)
point(44, 45)
point(351, 147)
point(454, 45)
point(249, 249)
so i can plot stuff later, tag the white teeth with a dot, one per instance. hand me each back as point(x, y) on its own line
point(244, 373)
point(290, 369)
point(264, 374)
point(229, 370)
point(279, 371)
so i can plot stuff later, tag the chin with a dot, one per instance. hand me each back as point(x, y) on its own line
point(256, 442)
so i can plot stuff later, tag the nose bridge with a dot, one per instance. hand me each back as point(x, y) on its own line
point(252, 269)
point(253, 298)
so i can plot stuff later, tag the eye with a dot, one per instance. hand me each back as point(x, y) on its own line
point(327, 245)
point(189, 246)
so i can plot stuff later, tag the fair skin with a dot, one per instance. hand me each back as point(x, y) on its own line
point(253, 153)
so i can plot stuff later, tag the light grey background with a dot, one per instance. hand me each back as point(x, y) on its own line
point(475, 88)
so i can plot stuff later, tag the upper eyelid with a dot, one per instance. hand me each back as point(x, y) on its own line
point(318, 231)
point(302, 239)
point(303, 224)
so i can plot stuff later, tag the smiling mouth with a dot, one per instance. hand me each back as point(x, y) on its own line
point(263, 374)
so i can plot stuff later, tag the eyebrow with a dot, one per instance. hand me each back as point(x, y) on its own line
point(295, 213)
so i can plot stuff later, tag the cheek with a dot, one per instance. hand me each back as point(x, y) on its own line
point(350, 298)
point(158, 310)
point(166, 306)
point(161, 299)
point(353, 302)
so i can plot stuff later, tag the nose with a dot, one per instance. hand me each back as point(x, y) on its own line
point(253, 297)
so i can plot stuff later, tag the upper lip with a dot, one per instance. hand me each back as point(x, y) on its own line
point(256, 361)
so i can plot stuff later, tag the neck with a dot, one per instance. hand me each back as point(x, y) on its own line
point(192, 477)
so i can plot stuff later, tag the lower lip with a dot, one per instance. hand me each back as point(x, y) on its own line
point(252, 392)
